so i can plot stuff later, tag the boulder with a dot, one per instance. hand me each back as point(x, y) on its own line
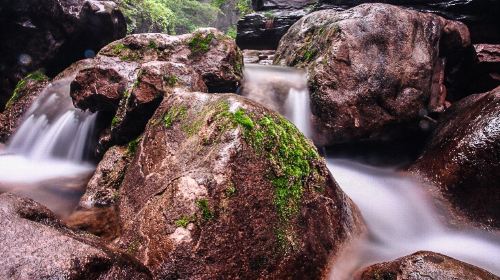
point(52, 34)
point(424, 265)
point(462, 157)
point(129, 78)
point(377, 71)
point(259, 5)
point(487, 68)
point(35, 245)
point(481, 16)
point(263, 30)
point(220, 187)
point(25, 93)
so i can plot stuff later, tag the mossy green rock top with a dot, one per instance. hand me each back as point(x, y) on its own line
point(221, 187)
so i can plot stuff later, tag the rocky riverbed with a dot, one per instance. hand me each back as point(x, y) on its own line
point(162, 157)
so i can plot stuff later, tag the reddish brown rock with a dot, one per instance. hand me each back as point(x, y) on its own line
point(376, 71)
point(462, 157)
point(27, 90)
point(35, 245)
point(221, 187)
point(424, 265)
point(130, 77)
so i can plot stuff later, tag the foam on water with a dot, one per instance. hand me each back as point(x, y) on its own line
point(401, 221)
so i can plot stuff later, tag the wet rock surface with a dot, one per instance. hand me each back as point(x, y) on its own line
point(462, 157)
point(262, 57)
point(425, 265)
point(35, 245)
point(130, 77)
point(259, 5)
point(211, 192)
point(52, 35)
point(27, 90)
point(377, 71)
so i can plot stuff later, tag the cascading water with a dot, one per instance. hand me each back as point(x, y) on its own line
point(281, 89)
point(45, 158)
point(400, 219)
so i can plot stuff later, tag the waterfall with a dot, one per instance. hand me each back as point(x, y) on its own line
point(401, 220)
point(46, 158)
point(282, 89)
point(53, 128)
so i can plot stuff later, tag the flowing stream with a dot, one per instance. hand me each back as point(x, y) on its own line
point(400, 218)
point(45, 159)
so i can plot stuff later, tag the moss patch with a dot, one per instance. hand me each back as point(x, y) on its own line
point(200, 43)
point(183, 221)
point(174, 114)
point(206, 212)
point(16, 94)
point(171, 80)
point(124, 52)
point(132, 145)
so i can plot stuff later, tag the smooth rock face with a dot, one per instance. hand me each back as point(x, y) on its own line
point(130, 77)
point(462, 157)
point(221, 187)
point(52, 34)
point(376, 71)
point(425, 265)
point(27, 91)
point(35, 245)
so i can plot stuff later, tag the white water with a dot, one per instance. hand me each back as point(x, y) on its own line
point(282, 89)
point(401, 221)
point(398, 215)
point(45, 158)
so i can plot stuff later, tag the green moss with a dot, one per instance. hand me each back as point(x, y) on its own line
point(183, 221)
point(243, 119)
point(117, 49)
point(269, 15)
point(173, 115)
point(309, 55)
point(200, 43)
point(124, 52)
point(230, 190)
point(116, 119)
point(132, 145)
point(152, 45)
point(171, 80)
point(16, 94)
point(232, 32)
point(206, 212)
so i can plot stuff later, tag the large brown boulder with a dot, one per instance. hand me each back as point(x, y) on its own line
point(462, 157)
point(129, 78)
point(35, 245)
point(376, 71)
point(424, 265)
point(25, 93)
point(52, 34)
point(221, 187)
point(487, 68)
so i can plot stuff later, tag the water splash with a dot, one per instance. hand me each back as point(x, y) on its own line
point(282, 89)
point(401, 221)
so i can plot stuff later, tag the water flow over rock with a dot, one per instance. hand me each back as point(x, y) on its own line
point(282, 89)
point(401, 221)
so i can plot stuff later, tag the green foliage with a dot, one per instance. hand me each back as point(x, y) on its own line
point(200, 43)
point(169, 16)
point(115, 120)
point(206, 212)
point(309, 55)
point(244, 7)
point(16, 94)
point(243, 119)
point(132, 145)
point(232, 32)
point(173, 115)
point(171, 80)
point(183, 221)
